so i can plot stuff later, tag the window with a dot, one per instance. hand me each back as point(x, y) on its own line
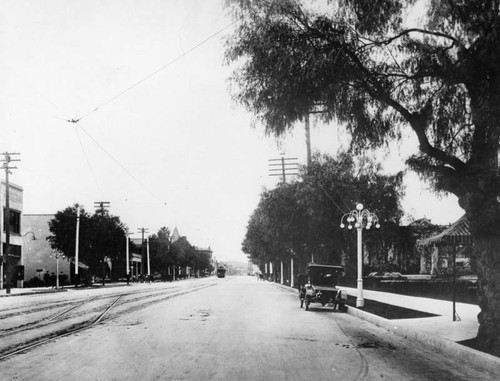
point(14, 221)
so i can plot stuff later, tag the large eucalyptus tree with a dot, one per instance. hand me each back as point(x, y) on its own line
point(376, 68)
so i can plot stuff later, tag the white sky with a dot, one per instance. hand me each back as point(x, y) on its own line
point(172, 151)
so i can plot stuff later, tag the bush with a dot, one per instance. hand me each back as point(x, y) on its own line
point(34, 282)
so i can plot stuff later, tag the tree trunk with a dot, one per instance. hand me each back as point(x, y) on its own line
point(487, 252)
point(483, 212)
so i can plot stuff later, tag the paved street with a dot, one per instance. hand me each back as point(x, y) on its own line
point(236, 329)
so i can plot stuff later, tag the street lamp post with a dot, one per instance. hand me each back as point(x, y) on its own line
point(361, 218)
point(57, 255)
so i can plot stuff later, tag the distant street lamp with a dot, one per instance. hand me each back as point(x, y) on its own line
point(57, 255)
point(30, 232)
point(127, 255)
point(361, 218)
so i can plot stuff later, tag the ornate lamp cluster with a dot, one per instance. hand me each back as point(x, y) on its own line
point(359, 218)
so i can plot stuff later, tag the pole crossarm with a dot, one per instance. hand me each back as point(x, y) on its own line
point(101, 206)
point(282, 167)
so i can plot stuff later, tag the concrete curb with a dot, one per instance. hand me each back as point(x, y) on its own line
point(479, 360)
point(42, 290)
point(33, 293)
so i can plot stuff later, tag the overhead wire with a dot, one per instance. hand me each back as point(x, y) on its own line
point(116, 161)
point(331, 199)
point(76, 120)
point(29, 85)
point(86, 157)
point(341, 198)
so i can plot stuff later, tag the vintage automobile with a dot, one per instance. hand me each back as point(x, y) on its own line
point(322, 286)
point(468, 282)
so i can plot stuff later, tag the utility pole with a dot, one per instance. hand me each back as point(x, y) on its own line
point(149, 266)
point(5, 260)
point(101, 207)
point(283, 167)
point(308, 141)
point(127, 255)
point(142, 231)
point(77, 243)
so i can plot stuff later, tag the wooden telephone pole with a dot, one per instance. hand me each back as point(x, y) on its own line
point(6, 265)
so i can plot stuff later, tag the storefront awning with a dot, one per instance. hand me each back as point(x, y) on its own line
point(80, 264)
point(136, 257)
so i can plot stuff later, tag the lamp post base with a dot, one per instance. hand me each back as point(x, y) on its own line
point(360, 302)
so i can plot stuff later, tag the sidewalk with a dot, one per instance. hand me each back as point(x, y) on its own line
point(442, 326)
point(439, 332)
point(31, 291)
point(48, 290)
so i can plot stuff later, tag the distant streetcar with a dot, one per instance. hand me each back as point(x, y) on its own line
point(221, 272)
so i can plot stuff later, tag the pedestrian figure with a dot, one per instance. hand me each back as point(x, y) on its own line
point(301, 286)
point(53, 280)
point(46, 279)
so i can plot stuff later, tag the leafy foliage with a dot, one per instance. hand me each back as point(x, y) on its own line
point(103, 235)
point(159, 249)
point(100, 235)
point(363, 66)
point(303, 217)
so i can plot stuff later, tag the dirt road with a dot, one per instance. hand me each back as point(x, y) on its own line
point(238, 329)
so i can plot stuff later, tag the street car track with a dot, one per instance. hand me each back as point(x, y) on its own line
point(75, 324)
point(36, 323)
point(25, 311)
point(70, 331)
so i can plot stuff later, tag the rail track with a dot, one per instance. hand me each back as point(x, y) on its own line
point(25, 328)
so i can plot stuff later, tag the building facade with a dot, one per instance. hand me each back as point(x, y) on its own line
point(12, 263)
point(38, 258)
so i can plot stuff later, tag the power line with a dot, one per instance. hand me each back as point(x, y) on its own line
point(76, 120)
point(28, 84)
point(330, 197)
point(86, 157)
point(117, 162)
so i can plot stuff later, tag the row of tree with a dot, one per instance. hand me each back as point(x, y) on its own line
point(102, 245)
point(302, 218)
